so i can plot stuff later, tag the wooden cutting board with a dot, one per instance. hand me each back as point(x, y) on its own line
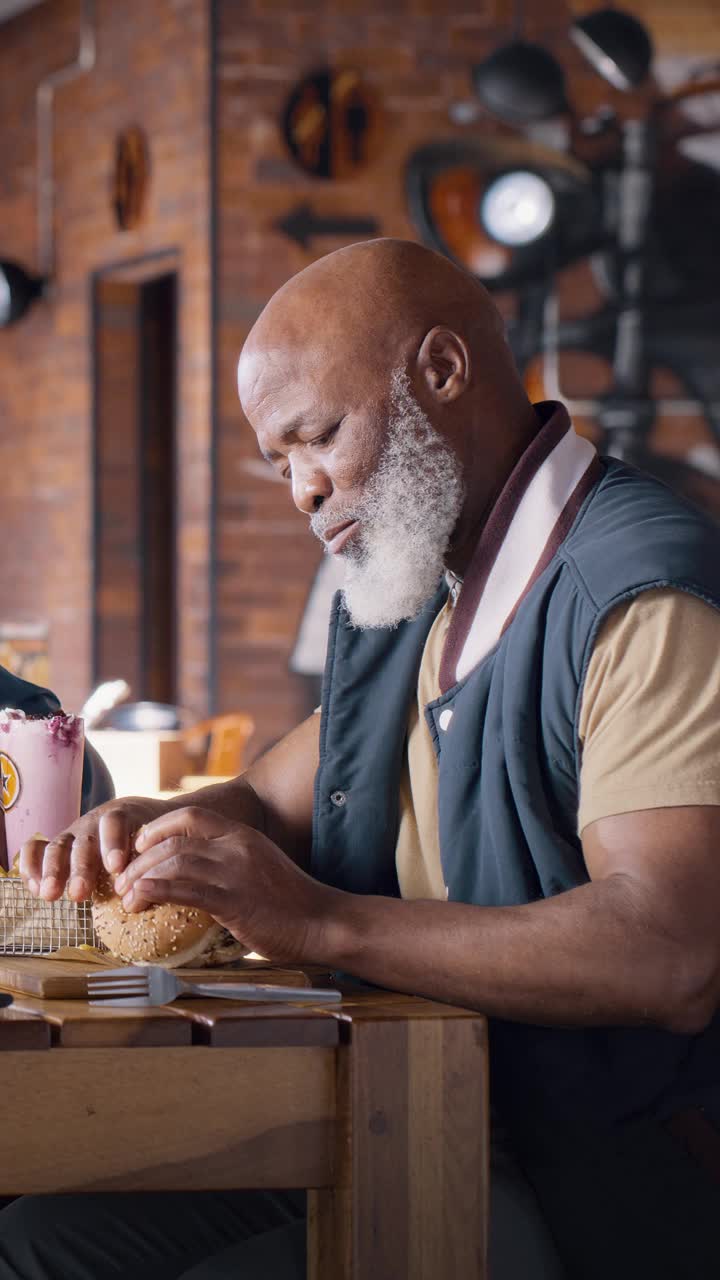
point(67, 979)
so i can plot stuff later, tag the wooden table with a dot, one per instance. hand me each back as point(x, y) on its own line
point(378, 1107)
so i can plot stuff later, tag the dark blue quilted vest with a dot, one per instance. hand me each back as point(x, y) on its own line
point(508, 794)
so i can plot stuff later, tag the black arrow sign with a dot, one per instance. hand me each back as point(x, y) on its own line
point(301, 224)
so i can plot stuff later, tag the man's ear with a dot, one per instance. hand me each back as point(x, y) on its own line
point(443, 363)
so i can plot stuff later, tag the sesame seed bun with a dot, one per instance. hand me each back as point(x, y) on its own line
point(166, 934)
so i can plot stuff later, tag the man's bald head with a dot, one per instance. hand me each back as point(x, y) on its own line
point(378, 295)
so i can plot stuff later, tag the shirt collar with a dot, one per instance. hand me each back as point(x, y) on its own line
point(526, 527)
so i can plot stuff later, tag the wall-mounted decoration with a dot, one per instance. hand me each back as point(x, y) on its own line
point(18, 290)
point(628, 201)
point(508, 209)
point(302, 224)
point(130, 177)
point(331, 123)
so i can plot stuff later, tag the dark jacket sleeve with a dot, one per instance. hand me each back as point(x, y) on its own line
point(97, 785)
point(34, 701)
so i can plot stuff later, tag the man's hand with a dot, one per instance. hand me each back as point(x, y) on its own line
point(195, 858)
point(275, 795)
point(100, 838)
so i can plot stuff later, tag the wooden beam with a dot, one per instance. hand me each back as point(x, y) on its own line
point(22, 1030)
point(167, 1119)
point(74, 1024)
point(259, 1026)
point(411, 1195)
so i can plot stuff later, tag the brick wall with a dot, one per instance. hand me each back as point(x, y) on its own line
point(152, 69)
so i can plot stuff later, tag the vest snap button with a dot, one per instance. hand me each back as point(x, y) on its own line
point(338, 798)
point(445, 717)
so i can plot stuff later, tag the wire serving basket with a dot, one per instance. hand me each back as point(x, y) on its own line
point(33, 927)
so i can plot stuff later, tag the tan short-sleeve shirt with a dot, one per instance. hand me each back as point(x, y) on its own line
point(649, 725)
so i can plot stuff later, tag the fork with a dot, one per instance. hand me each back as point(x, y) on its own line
point(135, 986)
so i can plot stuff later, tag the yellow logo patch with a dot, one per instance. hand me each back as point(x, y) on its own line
point(9, 782)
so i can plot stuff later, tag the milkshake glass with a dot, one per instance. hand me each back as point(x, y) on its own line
point(41, 763)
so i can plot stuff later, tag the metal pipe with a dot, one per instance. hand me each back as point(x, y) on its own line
point(45, 95)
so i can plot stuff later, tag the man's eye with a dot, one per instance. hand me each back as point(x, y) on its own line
point(326, 437)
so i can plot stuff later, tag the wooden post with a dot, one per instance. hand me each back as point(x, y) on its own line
point(410, 1200)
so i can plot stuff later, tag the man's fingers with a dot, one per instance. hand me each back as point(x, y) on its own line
point(164, 887)
point(114, 840)
point(191, 821)
point(31, 861)
point(55, 866)
point(177, 853)
point(84, 866)
point(76, 854)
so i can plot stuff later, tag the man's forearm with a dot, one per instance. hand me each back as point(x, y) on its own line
point(235, 800)
point(275, 795)
point(238, 801)
point(584, 957)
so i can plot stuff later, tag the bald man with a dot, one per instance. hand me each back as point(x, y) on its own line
point(509, 799)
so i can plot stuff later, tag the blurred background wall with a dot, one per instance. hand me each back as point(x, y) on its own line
point(228, 214)
point(152, 69)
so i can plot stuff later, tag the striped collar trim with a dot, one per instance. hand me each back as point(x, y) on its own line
point(526, 527)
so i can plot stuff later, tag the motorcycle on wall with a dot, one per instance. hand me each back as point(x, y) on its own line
point(625, 199)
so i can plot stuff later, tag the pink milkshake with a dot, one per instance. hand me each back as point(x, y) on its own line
point(41, 761)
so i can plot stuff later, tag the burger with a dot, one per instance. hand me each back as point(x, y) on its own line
point(166, 934)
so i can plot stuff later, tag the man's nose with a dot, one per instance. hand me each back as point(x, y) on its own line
point(310, 486)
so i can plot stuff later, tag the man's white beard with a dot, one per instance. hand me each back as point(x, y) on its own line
point(394, 562)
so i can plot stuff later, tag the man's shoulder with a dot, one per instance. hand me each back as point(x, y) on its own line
point(626, 496)
point(635, 531)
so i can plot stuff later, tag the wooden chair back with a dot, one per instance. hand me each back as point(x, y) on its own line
point(228, 738)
